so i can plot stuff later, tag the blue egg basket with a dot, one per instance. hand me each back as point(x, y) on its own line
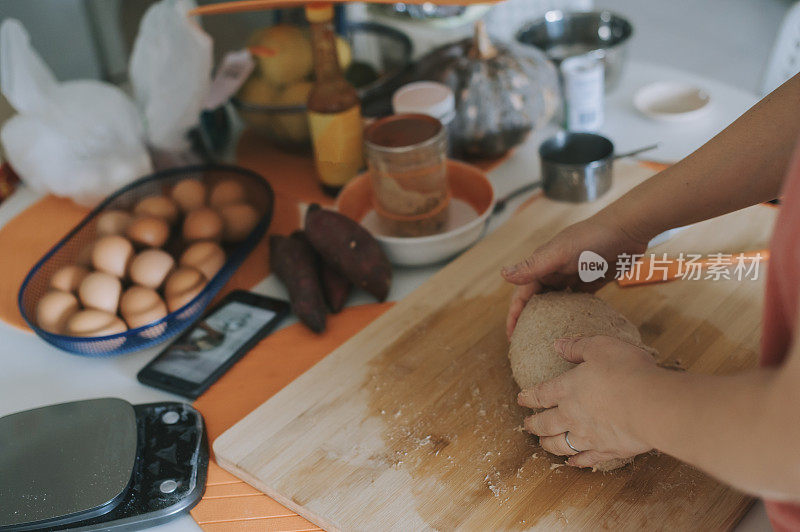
point(78, 243)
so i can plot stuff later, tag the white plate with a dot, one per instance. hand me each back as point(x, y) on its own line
point(464, 227)
point(671, 101)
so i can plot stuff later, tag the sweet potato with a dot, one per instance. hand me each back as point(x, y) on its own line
point(295, 263)
point(350, 250)
point(335, 286)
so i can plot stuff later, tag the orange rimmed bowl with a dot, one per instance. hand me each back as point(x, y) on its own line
point(471, 202)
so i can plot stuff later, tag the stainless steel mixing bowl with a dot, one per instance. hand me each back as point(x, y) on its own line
point(561, 34)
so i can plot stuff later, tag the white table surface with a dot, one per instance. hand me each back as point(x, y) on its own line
point(32, 373)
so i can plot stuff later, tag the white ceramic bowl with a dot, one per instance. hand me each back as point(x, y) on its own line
point(470, 208)
point(671, 101)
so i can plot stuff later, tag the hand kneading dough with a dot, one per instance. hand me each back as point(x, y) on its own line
point(554, 315)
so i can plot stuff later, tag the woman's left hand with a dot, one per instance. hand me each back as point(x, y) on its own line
point(591, 401)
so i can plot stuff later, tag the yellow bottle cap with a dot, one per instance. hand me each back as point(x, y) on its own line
point(319, 12)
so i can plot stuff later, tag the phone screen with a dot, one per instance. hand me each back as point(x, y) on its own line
point(201, 355)
point(213, 340)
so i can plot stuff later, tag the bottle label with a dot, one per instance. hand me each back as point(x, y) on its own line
point(338, 145)
point(584, 92)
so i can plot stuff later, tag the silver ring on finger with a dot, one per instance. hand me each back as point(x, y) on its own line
point(566, 437)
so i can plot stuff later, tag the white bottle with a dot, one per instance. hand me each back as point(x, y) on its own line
point(584, 91)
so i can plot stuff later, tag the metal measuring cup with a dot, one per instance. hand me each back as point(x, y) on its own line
point(577, 167)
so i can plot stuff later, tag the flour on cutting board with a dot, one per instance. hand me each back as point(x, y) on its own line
point(468, 439)
point(358, 467)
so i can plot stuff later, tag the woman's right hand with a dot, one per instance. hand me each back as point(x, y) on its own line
point(555, 264)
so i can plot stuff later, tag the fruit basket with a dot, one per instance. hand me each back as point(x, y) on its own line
point(74, 246)
point(378, 56)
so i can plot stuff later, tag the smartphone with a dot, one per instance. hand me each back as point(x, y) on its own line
point(201, 355)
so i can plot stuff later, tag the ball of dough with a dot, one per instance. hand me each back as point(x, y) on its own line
point(554, 315)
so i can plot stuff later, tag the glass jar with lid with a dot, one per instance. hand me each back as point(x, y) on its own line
point(407, 159)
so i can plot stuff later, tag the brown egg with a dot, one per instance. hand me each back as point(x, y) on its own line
point(208, 257)
point(111, 254)
point(68, 278)
point(92, 322)
point(100, 290)
point(159, 207)
point(150, 267)
point(227, 192)
point(141, 306)
point(54, 310)
point(238, 220)
point(189, 194)
point(149, 231)
point(202, 224)
point(182, 286)
point(113, 222)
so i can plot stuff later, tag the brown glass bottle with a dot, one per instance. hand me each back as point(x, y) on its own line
point(334, 109)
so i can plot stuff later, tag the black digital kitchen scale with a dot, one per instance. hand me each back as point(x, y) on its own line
point(100, 464)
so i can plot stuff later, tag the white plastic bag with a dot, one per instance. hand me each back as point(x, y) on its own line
point(85, 139)
point(82, 139)
point(170, 71)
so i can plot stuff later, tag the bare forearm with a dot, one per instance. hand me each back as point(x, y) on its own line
point(743, 429)
point(742, 166)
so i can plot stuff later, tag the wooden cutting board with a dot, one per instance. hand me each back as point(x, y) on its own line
point(412, 424)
